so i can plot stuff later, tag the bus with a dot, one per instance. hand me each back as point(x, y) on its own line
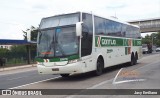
point(82, 42)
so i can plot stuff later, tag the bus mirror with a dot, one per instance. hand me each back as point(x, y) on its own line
point(79, 28)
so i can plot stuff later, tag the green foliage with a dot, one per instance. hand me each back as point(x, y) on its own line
point(18, 51)
point(3, 52)
point(25, 34)
point(147, 39)
point(17, 54)
point(155, 37)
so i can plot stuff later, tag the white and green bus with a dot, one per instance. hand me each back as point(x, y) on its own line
point(82, 42)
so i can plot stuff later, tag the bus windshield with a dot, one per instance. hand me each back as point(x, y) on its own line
point(62, 20)
point(58, 42)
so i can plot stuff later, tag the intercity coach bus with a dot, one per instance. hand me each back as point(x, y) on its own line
point(83, 42)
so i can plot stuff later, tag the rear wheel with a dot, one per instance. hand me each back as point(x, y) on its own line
point(100, 66)
point(135, 58)
point(132, 59)
point(65, 75)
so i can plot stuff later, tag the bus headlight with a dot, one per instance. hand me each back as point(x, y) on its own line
point(73, 61)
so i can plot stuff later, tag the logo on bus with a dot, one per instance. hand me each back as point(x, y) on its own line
point(99, 41)
point(103, 41)
point(108, 42)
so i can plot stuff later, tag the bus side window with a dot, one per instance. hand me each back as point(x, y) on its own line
point(87, 33)
point(99, 26)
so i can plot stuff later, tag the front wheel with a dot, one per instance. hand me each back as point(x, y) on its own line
point(100, 67)
point(64, 75)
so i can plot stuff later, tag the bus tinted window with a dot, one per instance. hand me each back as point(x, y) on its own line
point(123, 30)
point(100, 26)
point(113, 28)
point(132, 32)
point(107, 27)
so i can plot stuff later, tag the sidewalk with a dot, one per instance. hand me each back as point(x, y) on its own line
point(17, 67)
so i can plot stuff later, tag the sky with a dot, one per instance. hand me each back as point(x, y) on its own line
point(18, 15)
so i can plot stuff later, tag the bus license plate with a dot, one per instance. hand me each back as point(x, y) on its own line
point(55, 69)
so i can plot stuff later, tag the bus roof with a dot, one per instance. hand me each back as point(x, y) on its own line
point(60, 15)
point(113, 19)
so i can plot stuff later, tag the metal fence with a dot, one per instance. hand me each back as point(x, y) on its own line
point(16, 58)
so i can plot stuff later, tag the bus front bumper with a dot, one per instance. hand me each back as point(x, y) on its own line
point(73, 68)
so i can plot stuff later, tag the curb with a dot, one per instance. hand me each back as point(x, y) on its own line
point(17, 67)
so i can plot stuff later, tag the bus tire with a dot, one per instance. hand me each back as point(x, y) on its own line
point(64, 75)
point(135, 58)
point(132, 59)
point(99, 66)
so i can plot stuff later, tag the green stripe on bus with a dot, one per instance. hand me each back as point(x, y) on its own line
point(110, 41)
point(39, 60)
point(72, 57)
point(137, 42)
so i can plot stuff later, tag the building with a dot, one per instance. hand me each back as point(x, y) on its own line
point(6, 46)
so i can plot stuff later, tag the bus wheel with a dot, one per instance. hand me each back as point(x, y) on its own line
point(132, 59)
point(100, 66)
point(65, 75)
point(135, 58)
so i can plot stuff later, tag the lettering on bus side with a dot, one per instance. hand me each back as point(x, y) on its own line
point(139, 43)
point(108, 42)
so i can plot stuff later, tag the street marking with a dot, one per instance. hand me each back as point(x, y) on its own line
point(34, 82)
point(97, 85)
point(114, 80)
point(135, 80)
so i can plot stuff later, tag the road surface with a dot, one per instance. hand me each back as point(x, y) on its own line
point(144, 75)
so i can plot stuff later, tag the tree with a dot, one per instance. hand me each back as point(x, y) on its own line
point(34, 33)
point(18, 51)
point(157, 41)
point(146, 39)
point(153, 38)
point(3, 52)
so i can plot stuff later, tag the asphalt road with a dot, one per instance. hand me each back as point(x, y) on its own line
point(14, 78)
point(145, 73)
